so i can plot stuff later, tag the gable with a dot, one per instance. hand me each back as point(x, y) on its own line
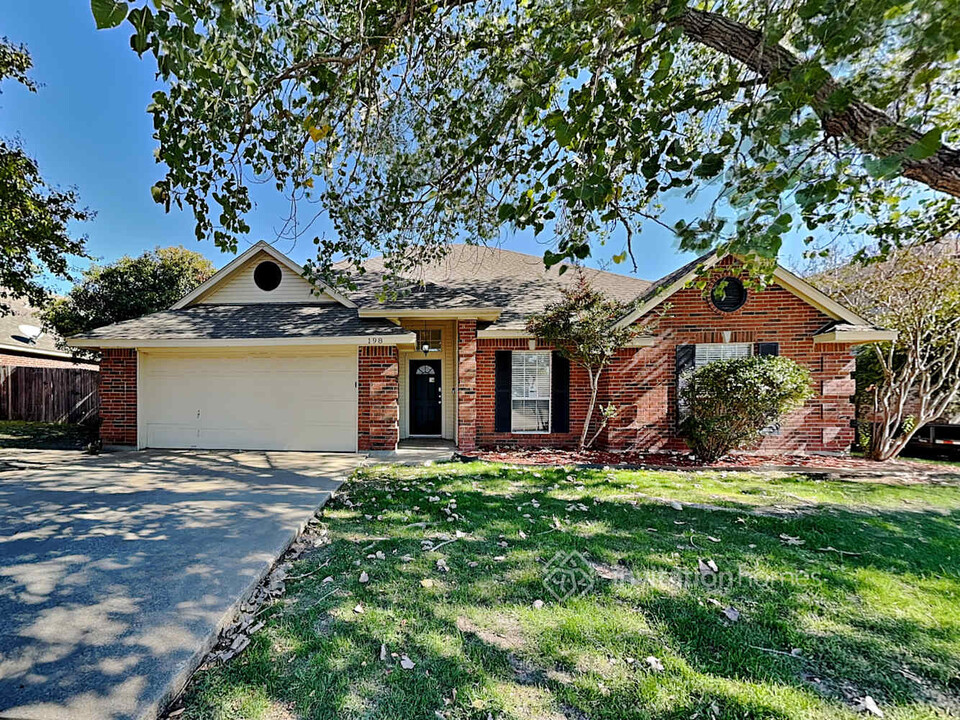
point(239, 288)
point(716, 267)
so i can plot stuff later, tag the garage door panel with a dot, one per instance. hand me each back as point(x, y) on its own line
point(259, 402)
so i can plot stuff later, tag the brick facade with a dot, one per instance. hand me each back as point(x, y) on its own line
point(118, 397)
point(642, 381)
point(467, 373)
point(378, 391)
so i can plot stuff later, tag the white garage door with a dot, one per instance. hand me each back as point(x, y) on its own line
point(249, 401)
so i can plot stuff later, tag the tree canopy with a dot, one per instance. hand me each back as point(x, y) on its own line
point(35, 240)
point(415, 123)
point(915, 291)
point(127, 289)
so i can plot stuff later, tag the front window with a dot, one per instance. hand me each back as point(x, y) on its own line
point(429, 339)
point(530, 393)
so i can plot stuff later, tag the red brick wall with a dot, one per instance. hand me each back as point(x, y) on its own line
point(17, 360)
point(378, 392)
point(467, 384)
point(641, 381)
point(486, 398)
point(118, 397)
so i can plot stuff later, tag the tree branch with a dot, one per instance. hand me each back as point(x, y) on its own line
point(867, 127)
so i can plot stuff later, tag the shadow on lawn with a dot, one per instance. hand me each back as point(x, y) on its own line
point(481, 648)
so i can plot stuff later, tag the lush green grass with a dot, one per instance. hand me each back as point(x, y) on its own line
point(869, 604)
point(43, 436)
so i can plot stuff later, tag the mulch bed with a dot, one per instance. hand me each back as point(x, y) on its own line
point(824, 463)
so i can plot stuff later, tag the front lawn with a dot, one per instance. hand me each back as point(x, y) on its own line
point(771, 597)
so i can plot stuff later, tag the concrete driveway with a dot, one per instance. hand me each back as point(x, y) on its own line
point(117, 571)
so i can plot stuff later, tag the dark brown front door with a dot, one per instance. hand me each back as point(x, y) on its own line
point(425, 397)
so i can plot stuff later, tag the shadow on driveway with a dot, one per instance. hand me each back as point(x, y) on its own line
point(117, 571)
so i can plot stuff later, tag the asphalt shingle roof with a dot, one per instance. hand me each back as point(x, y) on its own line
point(255, 321)
point(481, 276)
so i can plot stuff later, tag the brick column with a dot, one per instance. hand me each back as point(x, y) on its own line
point(378, 391)
point(467, 385)
point(118, 396)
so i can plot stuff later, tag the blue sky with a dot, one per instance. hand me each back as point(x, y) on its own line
point(88, 127)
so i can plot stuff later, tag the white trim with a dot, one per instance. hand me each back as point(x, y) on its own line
point(498, 334)
point(805, 291)
point(783, 277)
point(664, 293)
point(406, 338)
point(239, 260)
point(462, 313)
point(32, 350)
point(141, 432)
point(855, 336)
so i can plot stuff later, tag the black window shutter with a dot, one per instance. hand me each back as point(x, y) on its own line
point(768, 348)
point(503, 380)
point(686, 361)
point(560, 394)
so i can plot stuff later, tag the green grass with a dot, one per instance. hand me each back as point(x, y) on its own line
point(869, 603)
point(43, 436)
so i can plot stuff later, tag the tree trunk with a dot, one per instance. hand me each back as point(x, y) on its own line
point(594, 386)
point(858, 122)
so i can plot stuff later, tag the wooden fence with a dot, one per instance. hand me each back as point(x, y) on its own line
point(58, 395)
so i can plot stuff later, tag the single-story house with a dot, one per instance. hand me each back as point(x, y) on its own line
point(258, 358)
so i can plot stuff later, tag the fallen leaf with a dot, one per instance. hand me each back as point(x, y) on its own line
point(427, 583)
point(868, 704)
point(707, 568)
point(732, 614)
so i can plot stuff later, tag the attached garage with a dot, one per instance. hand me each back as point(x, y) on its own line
point(268, 400)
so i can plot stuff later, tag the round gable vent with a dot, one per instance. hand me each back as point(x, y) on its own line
point(267, 275)
point(728, 294)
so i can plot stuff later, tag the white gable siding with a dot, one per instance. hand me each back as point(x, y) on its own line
point(239, 288)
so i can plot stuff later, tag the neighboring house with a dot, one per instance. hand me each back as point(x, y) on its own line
point(24, 349)
point(255, 358)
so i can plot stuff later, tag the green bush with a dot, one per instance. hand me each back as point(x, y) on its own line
point(726, 404)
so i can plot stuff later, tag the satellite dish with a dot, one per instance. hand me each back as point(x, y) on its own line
point(31, 332)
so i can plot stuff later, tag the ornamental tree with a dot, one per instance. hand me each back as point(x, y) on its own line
point(915, 291)
point(412, 123)
point(127, 288)
point(35, 239)
point(728, 403)
point(581, 326)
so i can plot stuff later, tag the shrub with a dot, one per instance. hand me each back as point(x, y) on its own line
point(727, 403)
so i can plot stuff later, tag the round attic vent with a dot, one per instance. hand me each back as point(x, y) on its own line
point(728, 294)
point(267, 275)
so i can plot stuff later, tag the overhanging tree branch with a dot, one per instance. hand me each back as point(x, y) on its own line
point(868, 128)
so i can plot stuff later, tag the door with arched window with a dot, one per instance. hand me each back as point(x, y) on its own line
point(426, 398)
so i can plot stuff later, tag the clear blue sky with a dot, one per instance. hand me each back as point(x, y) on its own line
point(88, 127)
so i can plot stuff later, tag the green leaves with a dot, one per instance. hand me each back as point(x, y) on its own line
point(108, 13)
point(926, 146)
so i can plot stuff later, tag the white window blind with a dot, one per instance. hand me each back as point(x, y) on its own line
point(708, 352)
point(530, 392)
